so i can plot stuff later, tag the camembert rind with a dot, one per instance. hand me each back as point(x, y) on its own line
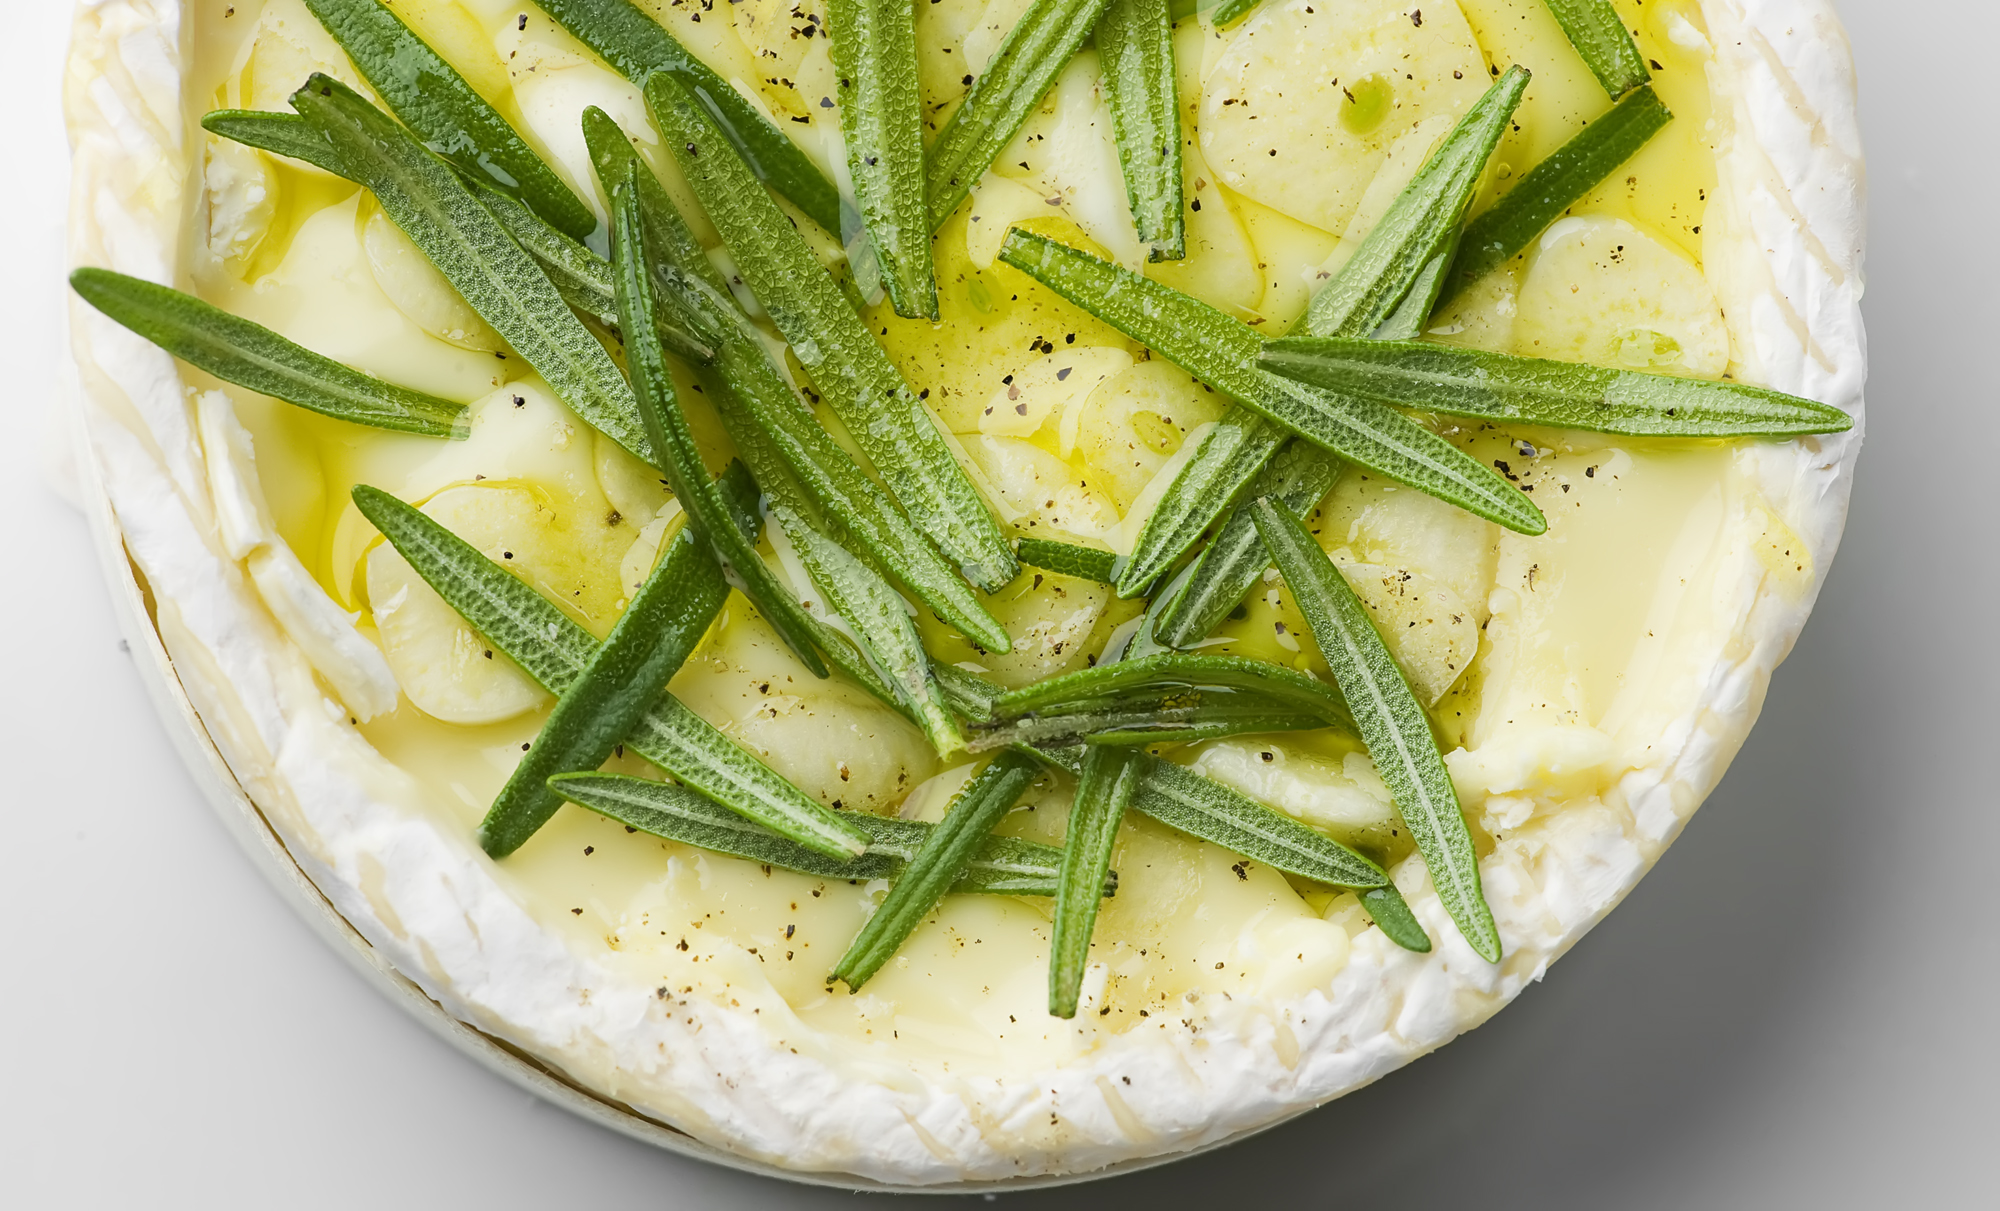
point(1782, 247)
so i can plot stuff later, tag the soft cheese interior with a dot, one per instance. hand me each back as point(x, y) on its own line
point(1553, 661)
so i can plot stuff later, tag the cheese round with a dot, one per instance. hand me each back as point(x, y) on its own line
point(1594, 682)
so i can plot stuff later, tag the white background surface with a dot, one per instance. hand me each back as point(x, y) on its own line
point(1797, 1008)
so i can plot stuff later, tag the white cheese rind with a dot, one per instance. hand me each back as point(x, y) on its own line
point(1782, 242)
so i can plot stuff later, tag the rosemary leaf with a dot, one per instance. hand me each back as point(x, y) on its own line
point(652, 639)
point(1551, 187)
point(967, 823)
point(1103, 791)
point(638, 47)
point(1170, 696)
point(280, 134)
point(554, 651)
point(673, 441)
point(1418, 229)
point(1599, 35)
point(1036, 51)
point(882, 627)
point(436, 102)
point(1222, 352)
point(1135, 41)
point(874, 46)
point(1385, 906)
point(1541, 391)
point(1068, 559)
point(238, 351)
point(853, 373)
point(423, 195)
point(1227, 13)
point(1391, 722)
point(998, 866)
point(1299, 475)
point(1204, 809)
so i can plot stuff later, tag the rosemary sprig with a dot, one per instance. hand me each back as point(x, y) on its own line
point(967, 824)
point(249, 355)
point(453, 120)
point(1599, 35)
point(1222, 352)
point(423, 195)
point(853, 373)
point(673, 441)
point(1036, 51)
point(1551, 187)
point(874, 46)
point(1068, 559)
point(1391, 722)
point(637, 47)
point(998, 866)
point(651, 640)
point(1541, 391)
point(1135, 41)
point(553, 650)
point(764, 415)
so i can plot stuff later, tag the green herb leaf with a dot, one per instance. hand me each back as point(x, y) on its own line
point(880, 623)
point(436, 102)
point(423, 195)
point(584, 279)
point(652, 639)
point(1551, 187)
point(1540, 391)
point(1418, 230)
point(1222, 352)
point(764, 415)
point(671, 438)
point(238, 351)
point(1391, 722)
point(998, 866)
point(1227, 13)
point(637, 47)
point(1103, 791)
point(1385, 906)
point(1069, 559)
point(280, 134)
point(1599, 35)
point(1036, 51)
point(1299, 476)
point(554, 650)
point(1156, 698)
point(945, 853)
point(1209, 811)
point(874, 45)
point(1135, 41)
point(857, 379)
